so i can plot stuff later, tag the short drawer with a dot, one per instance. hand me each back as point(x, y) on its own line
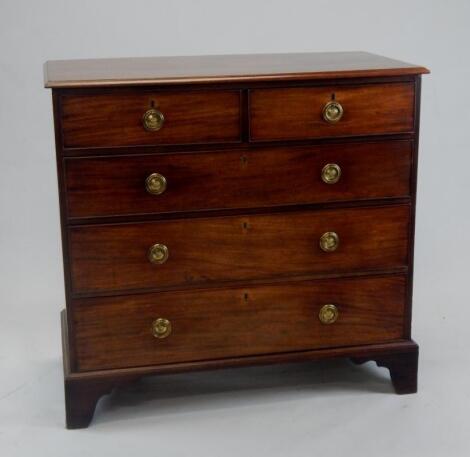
point(204, 251)
point(165, 183)
point(329, 111)
point(150, 118)
point(163, 328)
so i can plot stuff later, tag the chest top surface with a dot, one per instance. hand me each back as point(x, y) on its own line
point(221, 68)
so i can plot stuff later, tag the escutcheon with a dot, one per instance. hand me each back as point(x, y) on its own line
point(161, 328)
point(155, 184)
point(328, 314)
point(329, 241)
point(331, 173)
point(152, 120)
point(158, 253)
point(332, 112)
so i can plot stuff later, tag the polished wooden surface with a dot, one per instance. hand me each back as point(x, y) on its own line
point(84, 389)
point(206, 251)
point(116, 332)
point(113, 186)
point(296, 113)
point(242, 149)
point(116, 119)
point(403, 369)
point(222, 68)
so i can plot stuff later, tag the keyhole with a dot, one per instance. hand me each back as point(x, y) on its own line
point(245, 297)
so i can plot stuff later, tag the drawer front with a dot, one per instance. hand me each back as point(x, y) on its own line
point(107, 186)
point(297, 113)
point(118, 332)
point(218, 249)
point(117, 119)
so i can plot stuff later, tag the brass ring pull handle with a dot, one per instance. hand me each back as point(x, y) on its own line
point(329, 241)
point(158, 253)
point(328, 314)
point(332, 112)
point(155, 184)
point(152, 120)
point(161, 328)
point(331, 173)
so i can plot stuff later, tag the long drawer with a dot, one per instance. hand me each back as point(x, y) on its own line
point(141, 117)
point(164, 183)
point(153, 329)
point(329, 111)
point(204, 251)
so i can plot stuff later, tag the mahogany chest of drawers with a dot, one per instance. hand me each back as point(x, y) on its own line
point(231, 210)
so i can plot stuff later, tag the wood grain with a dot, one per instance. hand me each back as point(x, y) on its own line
point(242, 149)
point(403, 369)
point(206, 251)
point(110, 186)
point(296, 113)
point(116, 332)
point(106, 120)
point(222, 68)
point(400, 356)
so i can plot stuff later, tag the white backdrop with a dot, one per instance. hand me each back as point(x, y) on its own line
point(277, 411)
